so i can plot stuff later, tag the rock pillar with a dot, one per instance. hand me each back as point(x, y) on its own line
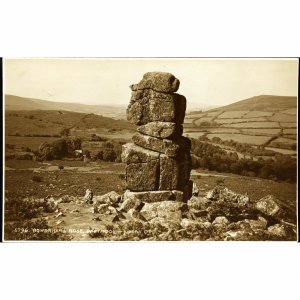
point(158, 161)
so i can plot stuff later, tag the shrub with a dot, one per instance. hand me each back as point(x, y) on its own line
point(65, 132)
point(109, 155)
point(122, 176)
point(87, 154)
point(58, 149)
point(26, 149)
point(37, 178)
point(220, 181)
point(9, 146)
point(97, 138)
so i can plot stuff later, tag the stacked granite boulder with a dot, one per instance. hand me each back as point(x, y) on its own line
point(158, 161)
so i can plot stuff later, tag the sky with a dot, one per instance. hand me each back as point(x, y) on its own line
point(106, 81)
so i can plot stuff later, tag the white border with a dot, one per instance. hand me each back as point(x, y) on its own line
point(157, 28)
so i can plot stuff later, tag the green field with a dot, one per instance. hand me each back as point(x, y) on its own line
point(291, 111)
point(261, 131)
point(254, 125)
point(281, 117)
point(258, 114)
point(232, 114)
point(240, 138)
point(253, 121)
point(290, 131)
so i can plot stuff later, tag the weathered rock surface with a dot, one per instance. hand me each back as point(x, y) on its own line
point(88, 198)
point(154, 196)
point(195, 189)
point(198, 203)
point(158, 163)
point(158, 81)
point(224, 194)
point(157, 107)
point(167, 210)
point(278, 230)
point(268, 206)
point(142, 176)
point(192, 224)
point(260, 223)
point(132, 153)
point(110, 198)
point(101, 209)
point(161, 130)
point(169, 147)
point(130, 201)
point(174, 172)
point(220, 221)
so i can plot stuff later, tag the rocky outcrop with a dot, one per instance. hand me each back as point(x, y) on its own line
point(158, 162)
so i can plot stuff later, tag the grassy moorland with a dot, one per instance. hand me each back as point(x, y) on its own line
point(28, 216)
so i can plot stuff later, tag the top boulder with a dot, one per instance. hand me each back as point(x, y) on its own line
point(157, 81)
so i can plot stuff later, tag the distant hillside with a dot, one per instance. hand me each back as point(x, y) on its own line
point(21, 103)
point(51, 122)
point(262, 120)
point(262, 103)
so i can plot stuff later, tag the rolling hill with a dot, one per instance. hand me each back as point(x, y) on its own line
point(21, 103)
point(112, 111)
point(262, 103)
point(51, 122)
point(262, 120)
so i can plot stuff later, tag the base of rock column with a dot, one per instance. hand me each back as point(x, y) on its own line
point(157, 196)
point(188, 190)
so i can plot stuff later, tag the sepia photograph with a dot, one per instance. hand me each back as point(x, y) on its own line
point(150, 149)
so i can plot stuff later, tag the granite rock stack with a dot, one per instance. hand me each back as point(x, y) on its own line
point(158, 161)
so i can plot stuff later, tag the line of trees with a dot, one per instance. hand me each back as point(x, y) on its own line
point(211, 157)
point(244, 148)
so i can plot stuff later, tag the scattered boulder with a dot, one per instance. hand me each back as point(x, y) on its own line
point(88, 198)
point(220, 221)
point(198, 203)
point(154, 196)
point(195, 189)
point(60, 214)
point(110, 198)
point(102, 208)
point(112, 210)
point(134, 214)
point(60, 222)
point(130, 202)
point(278, 230)
point(212, 194)
point(224, 194)
point(260, 223)
point(170, 211)
point(188, 224)
point(268, 205)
